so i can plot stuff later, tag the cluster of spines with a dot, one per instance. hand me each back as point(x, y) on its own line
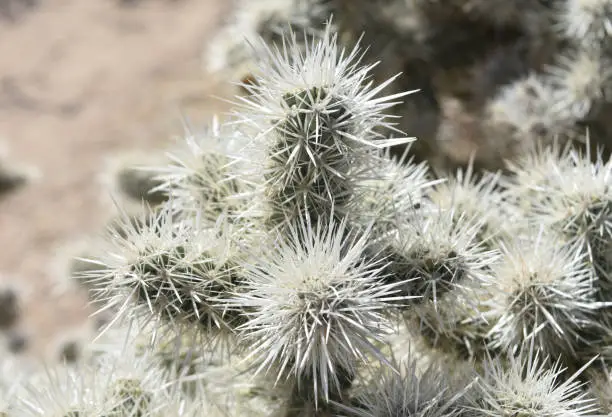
point(316, 120)
point(316, 298)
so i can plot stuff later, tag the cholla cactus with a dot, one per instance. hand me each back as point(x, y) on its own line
point(323, 261)
point(545, 293)
point(411, 392)
point(315, 307)
point(527, 387)
point(202, 173)
point(438, 254)
point(159, 268)
point(315, 121)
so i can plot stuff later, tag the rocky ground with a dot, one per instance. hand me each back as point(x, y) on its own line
point(82, 81)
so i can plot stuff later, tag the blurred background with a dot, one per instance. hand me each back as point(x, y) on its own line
point(82, 81)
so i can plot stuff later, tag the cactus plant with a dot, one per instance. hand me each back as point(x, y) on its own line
point(301, 267)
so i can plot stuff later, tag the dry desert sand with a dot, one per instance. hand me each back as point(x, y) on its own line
point(81, 81)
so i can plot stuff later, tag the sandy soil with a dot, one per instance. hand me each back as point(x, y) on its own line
point(81, 81)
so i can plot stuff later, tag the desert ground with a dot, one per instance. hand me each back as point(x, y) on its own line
point(82, 81)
